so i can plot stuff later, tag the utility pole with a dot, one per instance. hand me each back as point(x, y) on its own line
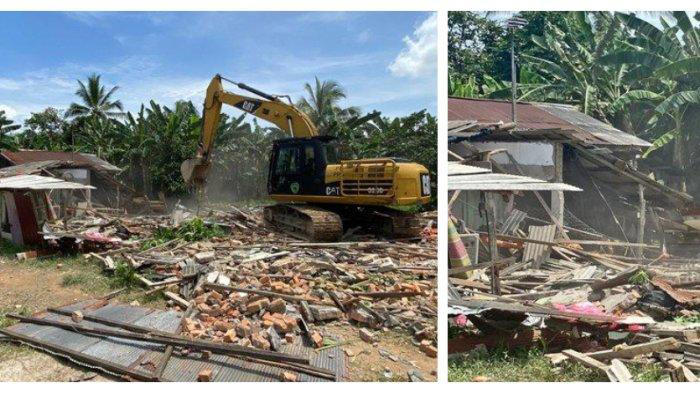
point(512, 24)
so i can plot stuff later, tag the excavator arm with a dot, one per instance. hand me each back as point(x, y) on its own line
point(285, 116)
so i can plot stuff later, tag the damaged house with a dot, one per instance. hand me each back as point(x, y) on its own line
point(558, 143)
point(82, 168)
point(26, 205)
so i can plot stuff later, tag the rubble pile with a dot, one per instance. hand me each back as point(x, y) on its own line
point(244, 283)
point(601, 303)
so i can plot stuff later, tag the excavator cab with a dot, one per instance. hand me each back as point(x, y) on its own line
point(298, 165)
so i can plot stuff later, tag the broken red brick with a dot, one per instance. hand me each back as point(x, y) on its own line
point(286, 376)
point(317, 339)
point(259, 341)
point(204, 375)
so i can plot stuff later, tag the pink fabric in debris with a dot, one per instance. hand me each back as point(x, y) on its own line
point(99, 237)
point(586, 308)
point(461, 320)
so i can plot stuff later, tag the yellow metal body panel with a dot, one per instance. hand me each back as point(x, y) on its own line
point(375, 182)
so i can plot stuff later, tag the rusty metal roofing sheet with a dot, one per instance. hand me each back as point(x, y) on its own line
point(541, 117)
point(80, 159)
point(30, 168)
point(137, 355)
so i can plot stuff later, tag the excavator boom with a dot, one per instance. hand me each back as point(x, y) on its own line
point(268, 107)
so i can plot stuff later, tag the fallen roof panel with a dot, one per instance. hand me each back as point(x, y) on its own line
point(36, 182)
point(137, 356)
point(467, 177)
point(549, 118)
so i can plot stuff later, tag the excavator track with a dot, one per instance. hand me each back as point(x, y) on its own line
point(396, 224)
point(305, 222)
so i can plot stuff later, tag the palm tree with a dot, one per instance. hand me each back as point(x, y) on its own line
point(96, 101)
point(322, 105)
point(7, 126)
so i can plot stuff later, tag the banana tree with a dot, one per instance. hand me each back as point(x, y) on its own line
point(665, 70)
point(577, 76)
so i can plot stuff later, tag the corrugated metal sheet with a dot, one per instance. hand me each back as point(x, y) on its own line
point(30, 168)
point(143, 356)
point(541, 117)
point(581, 121)
point(466, 177)
point(79, 159)
point(36, 182)
point(537, 253)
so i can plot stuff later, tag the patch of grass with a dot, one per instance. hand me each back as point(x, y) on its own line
point(9, 249)
point(73, 279)
point(5, 321)
point(532, 366)
point(10, 350)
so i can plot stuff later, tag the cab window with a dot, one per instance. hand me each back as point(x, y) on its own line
point(288, 161)
point(331, 154)
point(309, 160)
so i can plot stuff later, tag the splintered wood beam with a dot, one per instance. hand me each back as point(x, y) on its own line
point(637, 349)
point(493, 245)
point(589, 362)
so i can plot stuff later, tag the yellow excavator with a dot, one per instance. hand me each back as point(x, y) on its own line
point(316, 193)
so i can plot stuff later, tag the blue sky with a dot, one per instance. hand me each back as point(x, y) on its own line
point(385, 60)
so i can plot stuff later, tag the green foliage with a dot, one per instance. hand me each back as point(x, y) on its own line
point(7, 126)
point(151, 144)
point(640, 77)
point(9, 249)
point(688, 319)
point(189, 231)
point(640, 278)
point(124, 276)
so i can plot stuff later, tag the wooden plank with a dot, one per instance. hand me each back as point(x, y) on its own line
point(493, 245)
point(620, 371)
point(589, 362)
point(631, 351)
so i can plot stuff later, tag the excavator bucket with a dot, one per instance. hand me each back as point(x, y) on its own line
point(194, 171)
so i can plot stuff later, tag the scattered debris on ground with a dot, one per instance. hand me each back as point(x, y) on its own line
point(237, 283)
point(580, 300)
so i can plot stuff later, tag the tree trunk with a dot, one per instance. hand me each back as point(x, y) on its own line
point(679, 156)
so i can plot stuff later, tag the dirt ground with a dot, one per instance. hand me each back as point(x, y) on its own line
point(389, 360)
point(26, 288)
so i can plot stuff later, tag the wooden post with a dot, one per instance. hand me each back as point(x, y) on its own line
point(642, 221)
point(557, 198)
point(493, 242)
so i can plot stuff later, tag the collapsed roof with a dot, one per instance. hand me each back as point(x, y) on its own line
point(77, 159)
point(535, 121)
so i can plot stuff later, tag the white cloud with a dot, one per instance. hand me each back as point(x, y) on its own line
point(419, 55)
point(9, 84)
point(364, 36)
point(10, 112)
